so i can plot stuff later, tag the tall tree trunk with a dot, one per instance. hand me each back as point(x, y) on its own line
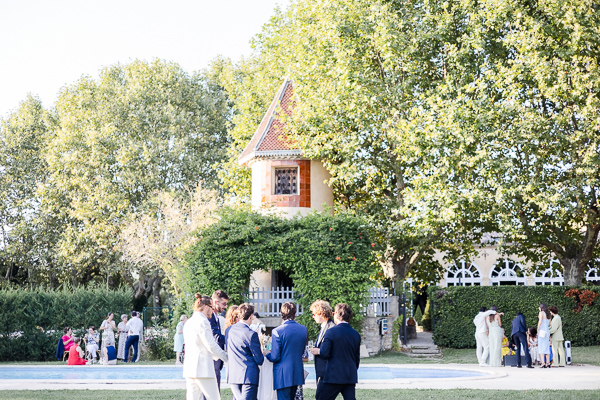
point(574, 267)
point(156, 285)
point(573, 272)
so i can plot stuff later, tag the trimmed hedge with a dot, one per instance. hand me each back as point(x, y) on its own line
point(31, 321)
point(455, 307)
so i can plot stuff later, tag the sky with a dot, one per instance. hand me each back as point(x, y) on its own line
point(45, 45)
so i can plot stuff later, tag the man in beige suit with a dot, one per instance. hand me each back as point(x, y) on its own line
point(200, 349)
point(557, 337)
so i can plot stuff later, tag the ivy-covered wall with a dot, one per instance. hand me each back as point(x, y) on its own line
point(31, 321)
point(328, 257)
point(454, 308)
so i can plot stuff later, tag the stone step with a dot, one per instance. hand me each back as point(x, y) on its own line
point(433, 346)
point(425, 351)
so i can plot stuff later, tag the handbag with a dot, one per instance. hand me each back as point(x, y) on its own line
point(543, 334)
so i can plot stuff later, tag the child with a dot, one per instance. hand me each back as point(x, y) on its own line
point(92, 338)
point(533, 347)
point(76, 354)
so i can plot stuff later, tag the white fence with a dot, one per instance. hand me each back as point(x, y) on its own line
point(267, 302)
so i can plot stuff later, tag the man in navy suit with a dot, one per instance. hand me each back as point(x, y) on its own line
point(245, 356)
point(219, 300)
point(289, 342)
point(341, 349)
point(519, 337)
point(323, 315)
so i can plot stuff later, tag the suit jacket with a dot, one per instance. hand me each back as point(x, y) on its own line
point(200, 348)
point(319, 362)
point(289, 343)
point(556, 328)
point(518, 325)
point(341, 349)
point(245, 355)
point(215, 326)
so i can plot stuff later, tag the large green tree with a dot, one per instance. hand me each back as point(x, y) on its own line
point(140, 128)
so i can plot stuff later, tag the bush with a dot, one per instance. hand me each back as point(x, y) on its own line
point(31, 321)
point(328, 257)
point(426, 320)
point(454, 309)
point(158, 341)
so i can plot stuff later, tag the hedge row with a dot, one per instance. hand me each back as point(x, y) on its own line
point(31, 321)
point(454, 309)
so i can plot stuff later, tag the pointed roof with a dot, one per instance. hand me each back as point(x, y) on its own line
point(269, 139)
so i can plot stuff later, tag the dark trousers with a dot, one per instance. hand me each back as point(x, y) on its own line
point(218, 366)
point(244, 392)
point(329, 391)
point(287, 393)
point(519, 339)
point(131, 341)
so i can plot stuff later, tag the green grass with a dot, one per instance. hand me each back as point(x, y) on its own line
point(392, 394)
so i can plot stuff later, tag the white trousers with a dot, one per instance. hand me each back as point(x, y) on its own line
point(483, 348)
point(197, 387)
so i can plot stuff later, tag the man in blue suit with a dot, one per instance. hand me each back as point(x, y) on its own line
point(219, 300)
point(519, 337)
point(289, 342)
point(245, 356)
point(341, 349)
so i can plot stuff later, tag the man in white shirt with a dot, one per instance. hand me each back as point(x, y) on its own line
point(135, 327)
point(483, 343)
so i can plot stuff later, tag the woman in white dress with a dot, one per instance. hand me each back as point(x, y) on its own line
point(533, 345)
point(122, 331)
point(178, 339)
point(544, 335)
point(108, 328)
point(494, 323)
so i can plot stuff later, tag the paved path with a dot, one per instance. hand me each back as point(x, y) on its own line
point(577, 377)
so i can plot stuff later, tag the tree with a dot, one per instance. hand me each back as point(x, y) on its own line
point(23, 170)
point(139, 129)
point(160, 240)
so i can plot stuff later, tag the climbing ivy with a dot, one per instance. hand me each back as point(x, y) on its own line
point(329, 257)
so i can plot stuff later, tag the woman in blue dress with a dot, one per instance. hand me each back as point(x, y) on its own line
point(544, 335)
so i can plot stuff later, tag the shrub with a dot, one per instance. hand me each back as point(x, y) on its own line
point(158, 341)
point(31, 321)
point(454, 308)
point(328, 257)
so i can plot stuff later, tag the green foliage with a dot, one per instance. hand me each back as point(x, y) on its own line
point(328, 257)
point(426, 320)
point(455, 307)
point(159, 340)
point(32, 320)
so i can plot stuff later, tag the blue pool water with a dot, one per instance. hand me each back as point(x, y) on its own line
point(168, 373)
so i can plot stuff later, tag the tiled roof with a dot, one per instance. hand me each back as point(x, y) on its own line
point(270, 137)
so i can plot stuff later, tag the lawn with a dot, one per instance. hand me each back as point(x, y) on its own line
point(392, 394)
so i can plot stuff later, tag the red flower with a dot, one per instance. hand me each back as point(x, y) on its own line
point(353, 258)
point(330, 229)
point(337, 258)
point(361, 237)
point(349, 242)
point(257, 227)
point(372, 244)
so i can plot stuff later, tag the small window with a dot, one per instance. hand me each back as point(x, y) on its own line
point(286, 180)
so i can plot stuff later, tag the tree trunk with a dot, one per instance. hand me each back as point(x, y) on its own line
point(156, 285)
point(573, 271)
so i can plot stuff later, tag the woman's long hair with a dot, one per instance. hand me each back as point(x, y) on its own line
point(492, 316)
point(544, 309)
point(232, 317)
point(201, 302)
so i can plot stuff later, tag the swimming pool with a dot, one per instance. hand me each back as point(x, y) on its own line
point(122, 372)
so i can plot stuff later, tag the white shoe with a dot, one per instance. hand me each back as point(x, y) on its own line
point(484, 365)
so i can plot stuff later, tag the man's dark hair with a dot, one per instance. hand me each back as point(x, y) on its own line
point(134, 313)
point(553, 309)
point(288, 311)
point(220, 294)
point(483, 309)
point(343, 312)
point(519, 313)
point(245, 311)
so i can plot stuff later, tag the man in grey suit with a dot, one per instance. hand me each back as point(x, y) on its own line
point(245, 356)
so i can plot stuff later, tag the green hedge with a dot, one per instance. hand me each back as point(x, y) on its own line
point(454, 309)
point(31, 321)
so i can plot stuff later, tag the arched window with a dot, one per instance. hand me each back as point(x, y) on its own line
point(593, 275)
point(463, 274)
point(550, 276)
point(507, 272)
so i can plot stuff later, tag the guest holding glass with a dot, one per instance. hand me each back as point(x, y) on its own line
point(122, 331)
point(323, 315)
point(76, 354)
point(108, 328)
point(67, 339)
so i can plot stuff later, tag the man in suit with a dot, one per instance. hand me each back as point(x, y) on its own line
point(219, 300)
point(245, 356)
point(323, 315)
point(557, 337)
point(288, 344)
point(200, 349)
point(519, 338)
point(341, 350)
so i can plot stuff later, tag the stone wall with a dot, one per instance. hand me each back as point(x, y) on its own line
point(370, 333)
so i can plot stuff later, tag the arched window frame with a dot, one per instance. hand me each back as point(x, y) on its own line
point(551, 276)
point(593, 275)
point(507, 270)
point(469, 274)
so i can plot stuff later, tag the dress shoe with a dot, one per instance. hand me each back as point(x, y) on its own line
point(518, 366)
point(530, 366)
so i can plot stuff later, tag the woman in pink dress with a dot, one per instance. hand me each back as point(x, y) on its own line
point(68, 338)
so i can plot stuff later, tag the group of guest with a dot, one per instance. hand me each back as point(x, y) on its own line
point(337, 352)
point(535, 343)
point(127, 331)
